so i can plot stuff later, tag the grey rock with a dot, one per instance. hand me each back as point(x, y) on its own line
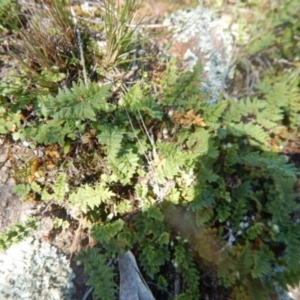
point(32, 270)
point(207, 38)
point(132, 283)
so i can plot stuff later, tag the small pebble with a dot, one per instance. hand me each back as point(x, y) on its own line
point(11, 181)
point(3, 156)
point(3, 176)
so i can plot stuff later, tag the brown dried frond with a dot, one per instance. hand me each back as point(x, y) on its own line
point(233, 181)
point(188, 118)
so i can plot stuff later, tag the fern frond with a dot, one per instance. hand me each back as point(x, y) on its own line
point(274, 165)
point(87, 197)
point(79, 103)
point(246, 260)
point(105, 232)
point(101, 276)
point(60, 187)
point(111, 138)
point(187, 268)
point(212, 113)
point(262, 260)
point(253, 131)
point(125, 166)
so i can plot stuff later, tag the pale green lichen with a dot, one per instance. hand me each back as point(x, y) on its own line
point(35, 270)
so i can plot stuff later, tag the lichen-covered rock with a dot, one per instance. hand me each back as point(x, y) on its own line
point(35, 270)
point(200, 35)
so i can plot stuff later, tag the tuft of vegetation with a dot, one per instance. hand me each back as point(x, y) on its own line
point(198, 192)
point(120, 34)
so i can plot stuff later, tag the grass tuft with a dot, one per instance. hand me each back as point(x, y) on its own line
point(121, 41)
point(46, 48)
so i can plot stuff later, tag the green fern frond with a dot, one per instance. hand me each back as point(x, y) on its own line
point(154, 255)
point(246, 260)
point(292, 248)
point(262, 262)
point(255, 132)
point(212, 113)
point(105, 232)
point(185, 263)
point(255, 230)
point(101, 276)
point(111, 138)
point(185, 91)
point(87, 197)
point(244, 108)
point(79, 103)
point(125, 166)
point(60, 187)
point(223, 212)
point(203, 216)
point(270, 163)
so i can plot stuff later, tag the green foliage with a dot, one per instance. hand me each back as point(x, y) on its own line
point(8, 16)
point(80, 103)
point(120, 38)
point(186, 265)
point(182, 89)
point(17, 233)
point(221, 170)
point(274, 31)
point(235, 217)
point(92, 197)
point(125, 166)
point(283, 93)
point(225, 173)
point(101, 274)
point(60, 223)
point(22, 190)
point(68, 109)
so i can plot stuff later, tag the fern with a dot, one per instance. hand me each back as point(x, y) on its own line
point(104, 233)
point(244, 108)
point(262, 260)
point(255, 132)
point(80, 103)
point(292, 248)
point(271, 163)
point(102, 277)
point(255, 230)
point(213, 113)
point(88, 198)
point(60, 187)
point(223, 212)
point(184, 262)
point(111, 138)
point(203, 216)
point(154, 255)
point(17, 232)
point(184, 91)
point(235, 195)
point(283, 94)
point(246, 260)
point(125, 166)
point(53, 132)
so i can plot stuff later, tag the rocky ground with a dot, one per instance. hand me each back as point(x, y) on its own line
point(71, 240)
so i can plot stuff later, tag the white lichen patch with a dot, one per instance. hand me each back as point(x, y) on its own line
point(213, 45)
point(35, 270)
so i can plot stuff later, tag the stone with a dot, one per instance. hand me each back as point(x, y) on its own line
point(199, 35)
